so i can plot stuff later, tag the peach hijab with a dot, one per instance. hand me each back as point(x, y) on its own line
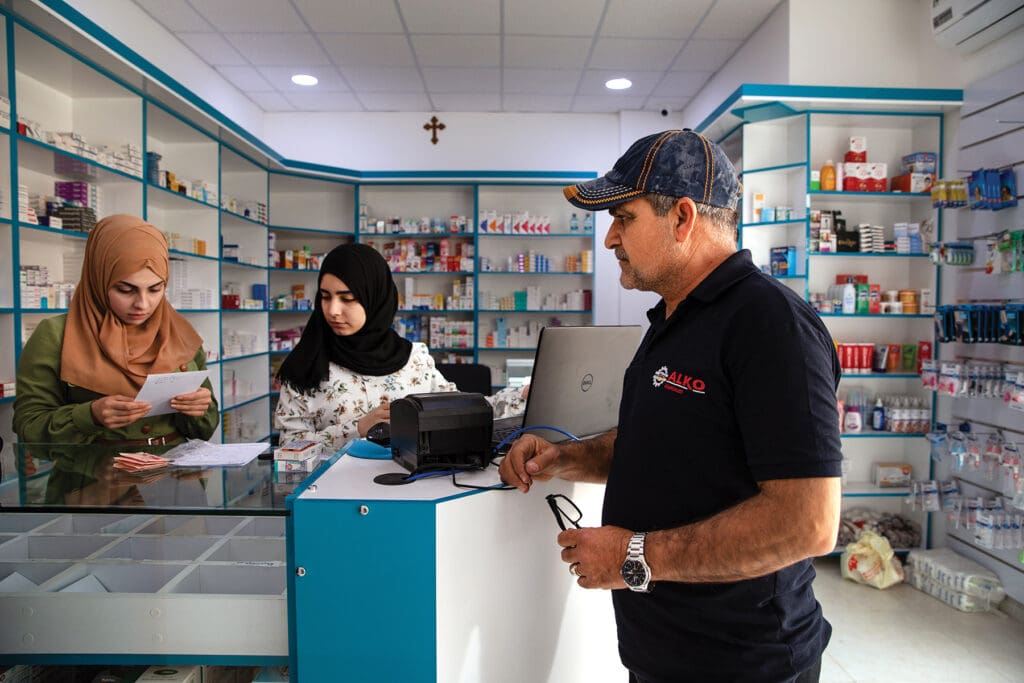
point(101, 353)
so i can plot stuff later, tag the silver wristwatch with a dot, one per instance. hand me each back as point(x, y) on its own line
point(635, 570)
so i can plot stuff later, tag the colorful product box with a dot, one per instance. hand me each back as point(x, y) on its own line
point(913, 182)
point(920, 162)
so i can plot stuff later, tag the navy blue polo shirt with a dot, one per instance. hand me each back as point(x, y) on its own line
point(736, 387)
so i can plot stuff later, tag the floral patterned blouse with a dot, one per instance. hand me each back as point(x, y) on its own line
point(330, 413)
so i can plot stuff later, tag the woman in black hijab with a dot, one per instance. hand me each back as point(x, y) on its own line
point(349, 364)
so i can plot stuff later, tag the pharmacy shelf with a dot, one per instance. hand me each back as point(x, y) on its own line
point(863, 489)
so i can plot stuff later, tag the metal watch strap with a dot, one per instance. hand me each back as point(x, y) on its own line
point(635, 550)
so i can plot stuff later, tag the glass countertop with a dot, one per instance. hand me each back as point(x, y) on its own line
point(82, 476)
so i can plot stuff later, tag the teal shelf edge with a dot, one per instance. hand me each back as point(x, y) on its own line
point(310, 271)
point(531, 310)
point(244, 402)
point(244, 310)
point(770, 223)
point(425, 235)
point(532, 235)
point(887, 316)
point(189, 254)
point(790, 277)
point(880, 435)
point(432, 311)
point(197, 310)
point(854, 195)
point(312, 231)
point(881, 375)
point(7, 399)
point(290, 311)
point(172, 193)
point(6, 309)
point(71, 155)
point(454, 349)
point(507, 348)
point(865, 254)
point(51, 311)
point(781, 167)
point(57, 231)
point(231, 359)
point(240, 217)
point(433, 272)
point(516, 272)
point(279, 353)
point(240, 264)
point(6, 221)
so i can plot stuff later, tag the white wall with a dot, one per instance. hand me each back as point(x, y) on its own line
point(141, 33)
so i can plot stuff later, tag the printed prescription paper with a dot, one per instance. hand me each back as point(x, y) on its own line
point(161, 388)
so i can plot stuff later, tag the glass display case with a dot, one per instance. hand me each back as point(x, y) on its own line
point(171, 565)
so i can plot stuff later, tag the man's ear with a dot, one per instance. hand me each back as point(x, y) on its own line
point(684, 216)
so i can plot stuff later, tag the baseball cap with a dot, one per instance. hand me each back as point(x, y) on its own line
point(677, 163)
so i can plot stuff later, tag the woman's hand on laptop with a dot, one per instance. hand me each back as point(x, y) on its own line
point(530, 459)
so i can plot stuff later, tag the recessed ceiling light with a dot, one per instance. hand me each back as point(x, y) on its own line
point(304, 79)
point(618, 84)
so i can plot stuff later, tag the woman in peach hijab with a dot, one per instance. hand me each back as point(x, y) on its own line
point(79, 373)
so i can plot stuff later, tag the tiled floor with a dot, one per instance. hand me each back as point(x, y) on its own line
point(901, 634)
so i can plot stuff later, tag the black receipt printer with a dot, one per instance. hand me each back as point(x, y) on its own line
point(442, 430)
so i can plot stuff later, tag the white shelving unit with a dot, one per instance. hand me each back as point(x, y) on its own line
point(778, 135)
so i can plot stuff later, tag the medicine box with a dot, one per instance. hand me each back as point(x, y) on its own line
point(919, 162)
point(783, 261)
point(891, 474)
point(297, 450)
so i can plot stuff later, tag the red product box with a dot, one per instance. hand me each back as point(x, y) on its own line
point(924, 352)
point(843, 278)
point(856, 157)
point(875, 299)
point(913, 182)
point(230, 301)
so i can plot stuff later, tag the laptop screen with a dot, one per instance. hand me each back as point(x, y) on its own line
point(577, 379)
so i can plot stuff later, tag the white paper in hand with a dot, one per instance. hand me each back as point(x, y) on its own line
point(160, 389)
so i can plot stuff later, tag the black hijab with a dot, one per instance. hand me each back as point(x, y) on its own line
point(376, 349)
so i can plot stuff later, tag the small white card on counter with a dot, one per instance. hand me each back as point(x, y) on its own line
point(160, 389)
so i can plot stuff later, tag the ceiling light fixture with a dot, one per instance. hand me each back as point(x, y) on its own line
point(304, 79)
point(618, 84)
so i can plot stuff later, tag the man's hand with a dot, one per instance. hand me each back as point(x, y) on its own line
point(194, 404)
point(530, 458)
point(117, 411)
point(595, 555)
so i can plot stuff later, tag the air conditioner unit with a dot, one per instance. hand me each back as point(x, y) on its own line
point(969, 25)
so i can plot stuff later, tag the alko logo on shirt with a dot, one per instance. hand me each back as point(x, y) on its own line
point(678, 382)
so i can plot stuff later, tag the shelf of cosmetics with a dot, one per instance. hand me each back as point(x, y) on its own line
point(986, 189)
point(1004, 253)
point(829, 234)
point(856, 174)
point(852, 294)
point(980, 323)
point(491, 222)
point(996, 522)
point(971, 379)
point(887, 413)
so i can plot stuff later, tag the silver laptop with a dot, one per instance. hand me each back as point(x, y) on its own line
point(577, 381)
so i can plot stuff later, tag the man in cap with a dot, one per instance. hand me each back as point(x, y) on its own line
point(723, 475)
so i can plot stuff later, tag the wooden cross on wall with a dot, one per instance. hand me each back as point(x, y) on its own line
point(433, 127)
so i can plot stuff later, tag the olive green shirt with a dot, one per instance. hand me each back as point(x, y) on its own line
point(49, 410)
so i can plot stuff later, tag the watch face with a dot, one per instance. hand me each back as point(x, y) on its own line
point(634, 573)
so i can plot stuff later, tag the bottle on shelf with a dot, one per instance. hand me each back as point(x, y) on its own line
point(878, 416)
point(574, 223)
point(828, 176)
point(588, 222)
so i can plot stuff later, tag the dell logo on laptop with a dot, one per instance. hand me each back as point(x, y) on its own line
point(588, 381)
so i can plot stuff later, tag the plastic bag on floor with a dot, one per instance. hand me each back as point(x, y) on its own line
point(871, 561)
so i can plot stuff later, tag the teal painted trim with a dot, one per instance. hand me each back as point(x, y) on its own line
point(729, 133)
point(186, 311)
point(831, 92)
point(531, 349)
point(231, 214)
point(308, 271)
point(901, 493)
point(887, 316)
point(725, 106)
point(189, 254)
point(855, 195)
point(352, 175)
point(878, 113)
point(881, 435)
point(311, 231)
point(7, 399)
point(6, 310)
point(423, 235)
point(433, 272)
point(306, 176)
point(240, 264)
point(532, 311)
point(51, 311)
point(781, 167)
point(790, 277)
point(767, 111)
point(532, 236)
point(866, 254)
point(431, 311)
point(6, 221)
point(148, 659)
point(185, 197)
point(881, 375)
point(248, 355)
point(87, 26)
point(242, 404)
point(771, 223)
point(12, 187)
point(531, 273)
point(461, 177)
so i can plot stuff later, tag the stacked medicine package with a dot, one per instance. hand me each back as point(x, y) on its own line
point(954, 579)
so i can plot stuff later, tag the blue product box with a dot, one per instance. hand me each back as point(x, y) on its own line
point(783, 261)
point(920, 162)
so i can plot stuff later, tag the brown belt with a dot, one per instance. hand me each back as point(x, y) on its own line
point(151, 441)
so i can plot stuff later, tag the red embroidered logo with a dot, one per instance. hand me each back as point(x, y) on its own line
point(678, 382)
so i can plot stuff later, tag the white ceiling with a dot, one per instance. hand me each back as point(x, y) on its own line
point(464, 55)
